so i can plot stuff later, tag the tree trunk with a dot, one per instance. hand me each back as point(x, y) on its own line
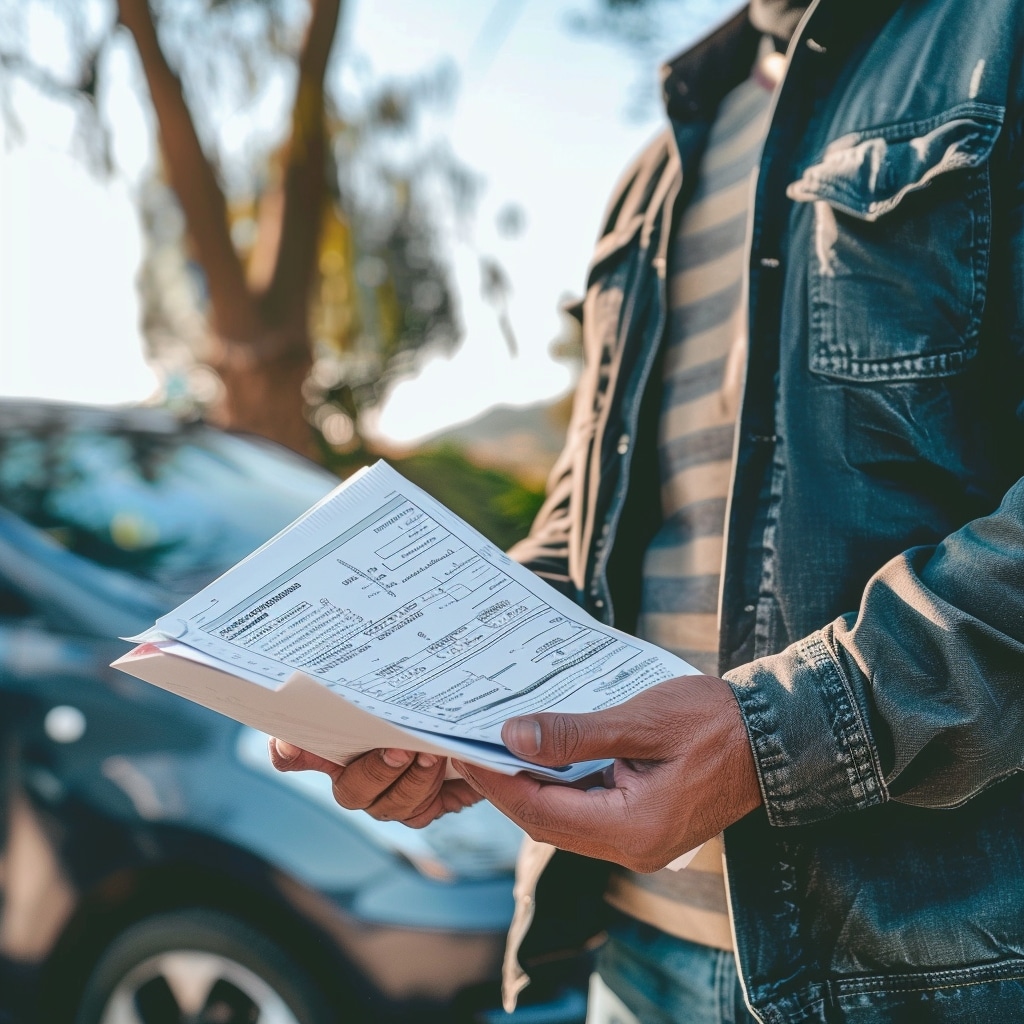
point(263, 379)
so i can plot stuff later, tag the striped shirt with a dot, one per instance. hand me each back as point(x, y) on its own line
point(705, 360)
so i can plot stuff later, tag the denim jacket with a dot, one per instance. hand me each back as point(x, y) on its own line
point(872, 605)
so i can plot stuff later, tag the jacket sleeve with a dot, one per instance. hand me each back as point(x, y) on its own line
point(917, 697)
point(552, 549)
point(546, 549)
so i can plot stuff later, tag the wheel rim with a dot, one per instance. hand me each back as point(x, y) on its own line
point(194, 987)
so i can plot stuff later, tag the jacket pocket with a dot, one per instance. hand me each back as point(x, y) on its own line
point(900, 250)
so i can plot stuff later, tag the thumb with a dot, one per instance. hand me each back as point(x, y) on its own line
point(558, 739)
point(647, 727)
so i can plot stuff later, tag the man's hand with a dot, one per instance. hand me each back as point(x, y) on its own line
point(685, 770)
point(390, 785)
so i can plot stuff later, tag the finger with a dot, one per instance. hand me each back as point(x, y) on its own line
point(455, 795)
point(367, 778)
point(642, 728)
point(286, 757)
point(558, 739)
point(532, 803)
point(474, 776)
point(413, 792)
point(595, 823)
point(428, 816)
point(517, 798)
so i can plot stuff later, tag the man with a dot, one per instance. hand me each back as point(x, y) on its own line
point(861, 742)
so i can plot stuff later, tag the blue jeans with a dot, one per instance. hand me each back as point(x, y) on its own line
point(665, 980)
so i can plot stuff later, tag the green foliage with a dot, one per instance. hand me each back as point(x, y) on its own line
point(498, 505)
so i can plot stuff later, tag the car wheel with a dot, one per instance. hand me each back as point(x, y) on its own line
point(199, 967)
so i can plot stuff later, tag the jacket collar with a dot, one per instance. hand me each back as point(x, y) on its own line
point(695, 82)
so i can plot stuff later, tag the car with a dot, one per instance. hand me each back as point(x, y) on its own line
point(154, 868)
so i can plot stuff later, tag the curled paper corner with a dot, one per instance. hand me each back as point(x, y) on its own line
point(143, 650)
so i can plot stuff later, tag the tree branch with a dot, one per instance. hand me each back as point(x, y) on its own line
point(233, 312)
point(288, 249)
point(39, 77)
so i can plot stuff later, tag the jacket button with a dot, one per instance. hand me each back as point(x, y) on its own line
point(623, 445)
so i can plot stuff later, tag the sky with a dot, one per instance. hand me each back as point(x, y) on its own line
point(540, 115)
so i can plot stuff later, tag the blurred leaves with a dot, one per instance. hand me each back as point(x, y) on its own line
point(631, 23)
point(511, 220)
point(385, 297)
point(649, 30)
point(70, 73)
point(496, 290)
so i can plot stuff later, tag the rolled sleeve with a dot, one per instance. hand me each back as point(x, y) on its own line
point(814, 755)
point(918, 697)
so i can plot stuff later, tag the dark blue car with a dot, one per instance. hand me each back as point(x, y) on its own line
point(154, 869)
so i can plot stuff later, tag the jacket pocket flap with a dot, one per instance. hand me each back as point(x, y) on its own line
point(867, 174)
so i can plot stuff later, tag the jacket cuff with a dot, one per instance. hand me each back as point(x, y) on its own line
point(813, 752)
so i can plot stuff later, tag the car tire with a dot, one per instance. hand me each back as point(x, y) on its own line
point(199, 966)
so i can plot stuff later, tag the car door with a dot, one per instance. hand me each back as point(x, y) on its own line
point(36, 894)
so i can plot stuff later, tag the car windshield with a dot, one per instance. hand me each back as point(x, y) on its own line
point(177, 506)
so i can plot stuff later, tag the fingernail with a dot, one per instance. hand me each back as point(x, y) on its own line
point(426, 760)
point(396, 758)
point(524, 736)
point(286, 751)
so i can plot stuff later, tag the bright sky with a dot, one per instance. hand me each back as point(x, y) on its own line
point(540, 114)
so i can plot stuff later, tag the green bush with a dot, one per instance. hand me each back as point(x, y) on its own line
point(496, 503)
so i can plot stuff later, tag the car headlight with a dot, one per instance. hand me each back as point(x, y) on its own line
point(478, 842)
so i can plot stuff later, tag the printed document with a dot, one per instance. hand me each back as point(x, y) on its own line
point(386, 598)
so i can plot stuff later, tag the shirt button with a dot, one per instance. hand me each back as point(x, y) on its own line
point(748, 608)
point(623, 445)
point(598, 603)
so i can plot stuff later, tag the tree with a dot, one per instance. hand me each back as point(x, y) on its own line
point(321, 255)
point(260, 320)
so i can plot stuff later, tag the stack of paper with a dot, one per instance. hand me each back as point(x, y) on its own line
point(381, 619)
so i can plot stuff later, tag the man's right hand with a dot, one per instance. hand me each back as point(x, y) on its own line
point(390, 785)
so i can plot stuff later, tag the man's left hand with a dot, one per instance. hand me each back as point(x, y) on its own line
point(684, 772)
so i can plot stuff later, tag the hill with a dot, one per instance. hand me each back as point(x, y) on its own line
point(523, 441)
